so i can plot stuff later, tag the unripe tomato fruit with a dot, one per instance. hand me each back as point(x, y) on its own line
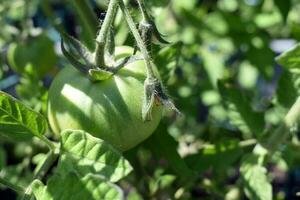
point(109, 109)
point(38, 52)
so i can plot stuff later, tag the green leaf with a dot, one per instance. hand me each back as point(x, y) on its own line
point(256, 184)
point(290, 58)
point(84, 154)
point(286, 91)
point(239, 110)
point(18, 121)
point(70, 186)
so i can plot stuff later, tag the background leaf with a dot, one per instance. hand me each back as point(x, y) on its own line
point(239, 110)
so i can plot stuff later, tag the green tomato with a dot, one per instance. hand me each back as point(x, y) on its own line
point(109, 109)
point(35, 56)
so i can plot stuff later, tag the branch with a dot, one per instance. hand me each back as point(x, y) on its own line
point(102, 37)
point(139, 40)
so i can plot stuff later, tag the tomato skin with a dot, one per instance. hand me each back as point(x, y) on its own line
point(109, 109)
point(37, 51)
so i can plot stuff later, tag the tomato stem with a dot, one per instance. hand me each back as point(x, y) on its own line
point(103, 33)
point(139, 40)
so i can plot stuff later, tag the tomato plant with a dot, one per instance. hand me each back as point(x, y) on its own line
point(156, 99)
point(109, 109)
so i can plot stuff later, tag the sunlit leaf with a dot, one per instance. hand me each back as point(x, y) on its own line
point(71, 186)
point(84, 154)
point(256, 183)
point(290, 58)
point(18, 121)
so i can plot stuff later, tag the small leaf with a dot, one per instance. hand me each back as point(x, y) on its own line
point(18, 121)
point(70, 186)
point(85, 154)
point(99, 74)
point(256, 184)
point(290, 58)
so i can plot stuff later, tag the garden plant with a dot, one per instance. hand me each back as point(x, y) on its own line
point(149, 99)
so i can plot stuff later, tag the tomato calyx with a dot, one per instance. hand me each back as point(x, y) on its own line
point(83, 60)
point(155, 95)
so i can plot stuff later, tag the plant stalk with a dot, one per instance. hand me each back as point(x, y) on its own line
point(139, 40)
point(11, 186)
point(103, 34)
point(49, 143)
point(289, 122)
point(41, 171)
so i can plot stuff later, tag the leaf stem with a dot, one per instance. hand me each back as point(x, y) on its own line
point(41, 171)
point(12, 186)
point(103, 33)
point(49, 143)
point(139, 40)
point(282, 132)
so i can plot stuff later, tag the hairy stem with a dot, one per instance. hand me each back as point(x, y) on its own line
point(41, 171)
point(139, 40)
point(11, 186)
point(281, 133)
point(103, 34)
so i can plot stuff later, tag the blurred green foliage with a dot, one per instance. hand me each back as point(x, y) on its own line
point(219, 69)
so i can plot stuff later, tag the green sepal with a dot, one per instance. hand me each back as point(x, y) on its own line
point(73, 60)
point(100, 74)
